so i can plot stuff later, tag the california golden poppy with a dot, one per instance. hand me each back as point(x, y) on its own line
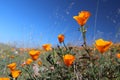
point(82, 17)
point(68, 59)
point(15, 73)
point(61, 38)
point(4, 78)
point(29, 61)
point(23, 64)
point(102, 45)
point(34, 54)
point(118, 55)
point(12, 56)
point(12, 66)
point(39, 63)
point(47, 47)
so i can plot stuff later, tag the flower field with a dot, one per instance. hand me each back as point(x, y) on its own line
point(100, 61)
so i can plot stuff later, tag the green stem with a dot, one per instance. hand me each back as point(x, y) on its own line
point(84, 35)
point(61, 53)
point(65, 45)
point(27, 70)
point(83, 30)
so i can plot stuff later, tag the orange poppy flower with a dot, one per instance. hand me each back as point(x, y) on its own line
point(102, 45)
point(12, 56)
point(4, 78)
point(118, 55)
point(39, 63)
point(61, 38)
point(34, 54)
point(68, 59)
point(29, 61)
point(47, 47)
point(15, 73)
point(23, 64)
point(12, 66)
point(82, 17)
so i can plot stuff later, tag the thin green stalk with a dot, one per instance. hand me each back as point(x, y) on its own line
point(65, 45)
point(83, 30)
point(84, 35)
point(30, 75)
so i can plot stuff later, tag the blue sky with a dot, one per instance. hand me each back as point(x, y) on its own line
point(35, 22)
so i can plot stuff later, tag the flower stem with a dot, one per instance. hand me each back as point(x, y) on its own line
point(65, 45)
point(84, 35)
point(83, 30)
